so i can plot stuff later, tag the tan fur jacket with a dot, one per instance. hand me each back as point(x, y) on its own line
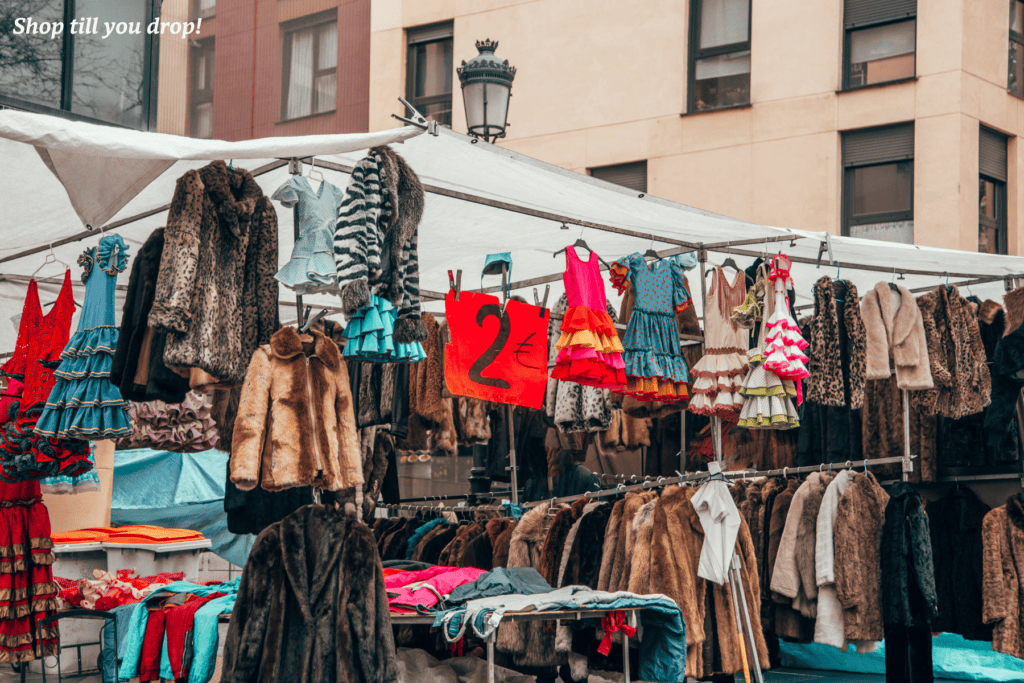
point(295, 425)
point(858, 563)
point(898, 334)
point(1003, 570)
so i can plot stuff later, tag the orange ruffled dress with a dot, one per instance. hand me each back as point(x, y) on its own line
point(589, 350)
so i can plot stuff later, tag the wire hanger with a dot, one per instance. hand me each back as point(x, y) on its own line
point(50, 258)
point(580, 242)
point(312, 170)
point(948, 288)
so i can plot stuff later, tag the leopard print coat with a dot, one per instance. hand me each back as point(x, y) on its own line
point(837, 369)
point(216, 296)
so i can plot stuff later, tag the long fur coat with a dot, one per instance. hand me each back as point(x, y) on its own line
point(375, 240)
point(837, 346)
point(609, 544)
point(426, 384)
point(898, 335)
point(327, 625)
point(1007, 375)
point(963, 385)
point(216, 295)
point(858, 565)
point(583, 566)
point(882, 431)
point(1003, 540)
point(784, 620)
point(295, 424)
point(907, 547)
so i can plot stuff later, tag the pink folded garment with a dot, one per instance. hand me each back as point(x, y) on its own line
point(400, 579)
point(427, 593)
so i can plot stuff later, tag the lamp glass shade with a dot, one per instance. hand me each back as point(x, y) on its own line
point(486, 120)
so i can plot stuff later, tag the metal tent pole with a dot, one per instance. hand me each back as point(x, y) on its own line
point(908, 463)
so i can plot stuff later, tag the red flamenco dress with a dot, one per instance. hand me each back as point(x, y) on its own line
point(589, 350)
point(28, 593)
point(24, 455)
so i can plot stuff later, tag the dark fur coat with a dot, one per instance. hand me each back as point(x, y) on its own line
point(1007, 379)
point(907, 548)
point(858, 564)
point(963, 385)
point(216, 295)
point(375, 240)
point(837, 351)
point(583, 567)
point(312, 606)
point(955, 521)
point(138, 367)
point(1003, 559)
point(882, 432)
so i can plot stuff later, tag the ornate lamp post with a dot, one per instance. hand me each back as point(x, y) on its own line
point(486, 88)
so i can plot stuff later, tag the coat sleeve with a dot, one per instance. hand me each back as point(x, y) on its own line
point(176, 281)
point(876, 341)
point(368, 626)
point(249, 644)
point(251, 423)
point(824, 540)
point(849, 564)
point(994, 596)
point(924, 565)
point(129, 311)
point(265, 262)
point(350, 452)
point(785, 576)
point(355, 243)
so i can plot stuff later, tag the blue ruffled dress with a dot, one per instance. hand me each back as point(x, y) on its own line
point(311, 267)
point(84, 404)
point(368, 336)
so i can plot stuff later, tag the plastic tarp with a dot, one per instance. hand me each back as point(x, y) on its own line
point(952, 658)
point(177, 490)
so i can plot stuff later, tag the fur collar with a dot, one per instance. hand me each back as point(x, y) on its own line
point(532, 527)
point(287, 343)
point(1015, 511)
point(899, 324)
point(234, 194)
point(1014, 303)
point(988, 311)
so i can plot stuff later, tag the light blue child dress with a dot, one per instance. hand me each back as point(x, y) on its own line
point(311, 267)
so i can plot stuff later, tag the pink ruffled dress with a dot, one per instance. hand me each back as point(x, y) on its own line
point(784, 346)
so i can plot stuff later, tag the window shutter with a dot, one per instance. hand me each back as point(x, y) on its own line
point(858, 13)
point(427, 34)
point(992, 154)
point(878, 145)
point(633, 175)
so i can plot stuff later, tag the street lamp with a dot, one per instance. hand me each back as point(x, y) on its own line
point(486, 87)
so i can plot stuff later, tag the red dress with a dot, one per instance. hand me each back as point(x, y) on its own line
point(28, 593)
point(589, 350)
point(41, 340)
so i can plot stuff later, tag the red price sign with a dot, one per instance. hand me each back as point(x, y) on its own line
point(494, 356)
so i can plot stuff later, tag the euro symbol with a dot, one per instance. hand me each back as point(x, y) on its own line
point(524, 347)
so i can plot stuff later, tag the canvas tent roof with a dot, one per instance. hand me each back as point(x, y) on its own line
point(481, 199)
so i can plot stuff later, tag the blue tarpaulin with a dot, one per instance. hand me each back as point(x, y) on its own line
point(177, 490)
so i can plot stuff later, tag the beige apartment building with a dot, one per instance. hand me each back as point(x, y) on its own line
point(890, 119)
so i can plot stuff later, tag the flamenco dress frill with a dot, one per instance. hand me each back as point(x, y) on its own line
point(368, 336)
point(24, 455)
point(589, 350)
point(784, 346)
point(84, 403)
point(717, 375)
point(655, 367)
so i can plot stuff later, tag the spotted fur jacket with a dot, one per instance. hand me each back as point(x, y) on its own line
point(375, 240)
point(837, 346)
point(216, 295)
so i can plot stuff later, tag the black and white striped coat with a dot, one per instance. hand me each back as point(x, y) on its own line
point(375, 239)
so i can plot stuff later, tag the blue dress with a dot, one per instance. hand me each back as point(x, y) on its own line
point(83, 403)
point(311, 267)
point(368, 336)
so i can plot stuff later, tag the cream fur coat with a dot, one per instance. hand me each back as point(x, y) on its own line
point(896, 332)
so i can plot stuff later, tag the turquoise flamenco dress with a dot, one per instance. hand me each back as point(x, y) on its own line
point(84, 404)
point(369, 339)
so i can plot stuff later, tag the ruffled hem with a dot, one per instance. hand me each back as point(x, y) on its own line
point(780, 422)
point(93, 392)
point(25, 609)
point(655, 389)
point(724, 405)
point(581, 318)
point(80, 367)
point(591, 340)
point(660, 365)
point(707, 386)
point(590, 372)
point(91, 341)
point(369, 336)
point(86, 422)
point(318, 271)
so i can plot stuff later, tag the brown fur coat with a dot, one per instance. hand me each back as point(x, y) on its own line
point(426, 380)
point(609, 545)
point(216, 295)
point(963, 385)
point(554, 542)
point(502, 543)
point(806, 539)
point(858, 563)
point(837, 370)
point(640, 564)
point(618, 580)
point(896, 335)
point(1003, 568)
point(295, 425)
point(882, 431)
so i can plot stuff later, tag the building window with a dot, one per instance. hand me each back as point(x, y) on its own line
point(1016, 82)
point(204, 9)
point(719, 54)
point(310, 66)
point(79, 75)
point(201, 115)
point(991, 192)
point(881, 40)
point(632, 175)
point(878, 183)
point(428, 71)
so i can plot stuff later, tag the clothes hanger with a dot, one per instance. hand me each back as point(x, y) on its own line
point(892, 284)
point(580, 242)
point(50, 258)
point(650, 253)
point(730, 262)
point(312, 170)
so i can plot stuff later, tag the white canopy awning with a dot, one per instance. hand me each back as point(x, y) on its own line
point(481, 199)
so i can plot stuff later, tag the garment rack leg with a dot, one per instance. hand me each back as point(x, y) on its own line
point(490, 657)
point(754, 660)
point(513, 468)
point(625, 657)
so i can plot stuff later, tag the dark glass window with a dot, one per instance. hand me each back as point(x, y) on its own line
point(878, 183)
point(992, 177)
point(429, 71)
point(107, 79)
point(632, 175)
point(1016, 79)
point(205, 8)
point(201, 115)
point(880, 43)
point(310, 67)
point(719, 54)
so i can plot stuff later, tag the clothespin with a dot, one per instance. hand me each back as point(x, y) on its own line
point(455, 283)
point(312, 321)
point(542, 303)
